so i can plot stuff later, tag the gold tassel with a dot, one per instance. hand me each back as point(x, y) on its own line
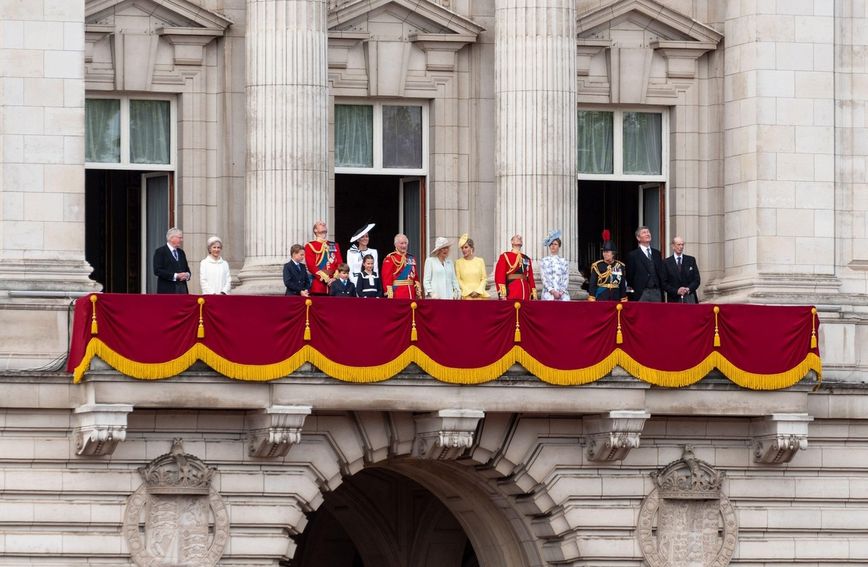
point(716, 332)
point(200, 332)
point(619, 336)
point(517, 337)
point(93, 327)
point(307, 304)
point(414, 336)
point(813, 328)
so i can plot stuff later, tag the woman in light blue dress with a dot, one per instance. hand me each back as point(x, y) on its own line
point(439, 278)
point(555, 270)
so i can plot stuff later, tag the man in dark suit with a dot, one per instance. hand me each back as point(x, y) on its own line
point(295, 276)
point(170, 264)
point(681, 275)
point(645, 269)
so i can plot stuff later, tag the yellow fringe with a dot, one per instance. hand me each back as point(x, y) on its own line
point(452, 375)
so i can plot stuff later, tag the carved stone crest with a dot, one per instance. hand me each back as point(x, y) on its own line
point(176, 517)
point(687, 521)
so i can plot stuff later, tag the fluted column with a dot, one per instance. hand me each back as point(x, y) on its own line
point(287, 137)
point(535, 94)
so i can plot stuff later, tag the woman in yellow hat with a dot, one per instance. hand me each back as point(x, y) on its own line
point(470, 271)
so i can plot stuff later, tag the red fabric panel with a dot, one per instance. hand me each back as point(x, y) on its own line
point(668, 337)
point(568, 335)
point(765, 339)
point(465, 334)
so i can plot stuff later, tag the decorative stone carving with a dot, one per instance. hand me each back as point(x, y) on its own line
point(777, 438)
point(273, 430)
point(445, 434)
point(610, 436)
point(176, 517)
point(687, 520)
point(99, 428)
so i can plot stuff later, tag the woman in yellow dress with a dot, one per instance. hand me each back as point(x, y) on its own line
point(470, 271)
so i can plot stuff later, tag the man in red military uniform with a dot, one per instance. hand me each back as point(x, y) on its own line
point(399, 275)
point(513, 273)
point(322, 257)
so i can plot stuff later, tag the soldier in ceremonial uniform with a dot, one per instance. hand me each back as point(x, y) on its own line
point(399, 275)
point(608, 282)
point(322, 258)
point(513, 273)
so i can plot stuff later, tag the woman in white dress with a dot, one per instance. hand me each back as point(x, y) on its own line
point(439, 278)
point(359, 250)
point(214, 270)
point(555, 270)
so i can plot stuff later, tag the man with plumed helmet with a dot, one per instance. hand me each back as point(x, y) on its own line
point(608, 276)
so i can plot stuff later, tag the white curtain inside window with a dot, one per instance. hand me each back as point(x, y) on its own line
point(595, 144)
point(354, 135)
point(402, 137)
point(102, 132)
point(643, 138)
point(150, 131)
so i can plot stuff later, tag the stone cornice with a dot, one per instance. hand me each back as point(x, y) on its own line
point(600, 17)
point(96, 9)
point(431, 11)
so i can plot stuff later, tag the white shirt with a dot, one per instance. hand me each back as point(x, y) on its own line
point(214, 276)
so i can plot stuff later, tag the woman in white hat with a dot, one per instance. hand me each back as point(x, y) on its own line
point(555, 270)
point(358, 251)
point(214, 270)
point(470, 271)
point(439, 278)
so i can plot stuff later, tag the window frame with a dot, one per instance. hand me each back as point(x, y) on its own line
point(618, 144)
point(377, 141)
point(125, 163)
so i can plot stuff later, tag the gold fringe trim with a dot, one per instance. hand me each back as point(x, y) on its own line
point(452, 375)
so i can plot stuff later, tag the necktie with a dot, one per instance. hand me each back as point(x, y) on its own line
point(648, 251)
point(175, 253)
point(678, 260)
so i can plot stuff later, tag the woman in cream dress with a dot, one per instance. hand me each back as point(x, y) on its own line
point(470, 271)
point(214, 270)
point(439, 278)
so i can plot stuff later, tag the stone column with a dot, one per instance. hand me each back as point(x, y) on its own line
point(42, 261)
point(287, 137)
point(535, 98)
point(779, 163)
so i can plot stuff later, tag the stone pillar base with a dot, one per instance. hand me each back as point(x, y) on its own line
point(260, 277)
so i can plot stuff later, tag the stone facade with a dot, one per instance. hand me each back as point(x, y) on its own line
point(764, 161)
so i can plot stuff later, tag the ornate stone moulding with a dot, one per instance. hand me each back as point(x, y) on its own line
point(176, 517)
point(445, 434)
point(778, 437)
point(612, 435)
point(686, 520)
point(99, 428)
point(272, 431)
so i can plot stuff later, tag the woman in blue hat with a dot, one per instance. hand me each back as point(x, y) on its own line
point(555, 270)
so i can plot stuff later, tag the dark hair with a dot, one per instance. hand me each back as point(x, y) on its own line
point(343, 268)
point(366, 256)
point(295, 249)
point(469, 242)
point(558, 240)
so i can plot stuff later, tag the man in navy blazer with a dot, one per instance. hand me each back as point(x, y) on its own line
point(295, 276)
point(170, 264)
point(681, 275)
point(645, 269)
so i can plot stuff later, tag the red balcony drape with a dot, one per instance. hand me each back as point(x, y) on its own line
point(463, 342)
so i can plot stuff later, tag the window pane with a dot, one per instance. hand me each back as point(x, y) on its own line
point(102, 132)
point(402, 137)
point(149, 131)
point(595, 142)
point(643, 138)
point(354, 135)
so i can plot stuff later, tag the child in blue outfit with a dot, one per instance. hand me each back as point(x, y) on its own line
point(342, 287)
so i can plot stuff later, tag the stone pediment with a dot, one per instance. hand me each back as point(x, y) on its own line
point(182, 14)
point(651, 22)
point(418, 18)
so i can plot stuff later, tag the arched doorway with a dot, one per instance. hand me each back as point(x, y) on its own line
point(414, 513)
point(381, 518)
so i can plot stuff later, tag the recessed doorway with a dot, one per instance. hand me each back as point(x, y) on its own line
point(620, 206)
